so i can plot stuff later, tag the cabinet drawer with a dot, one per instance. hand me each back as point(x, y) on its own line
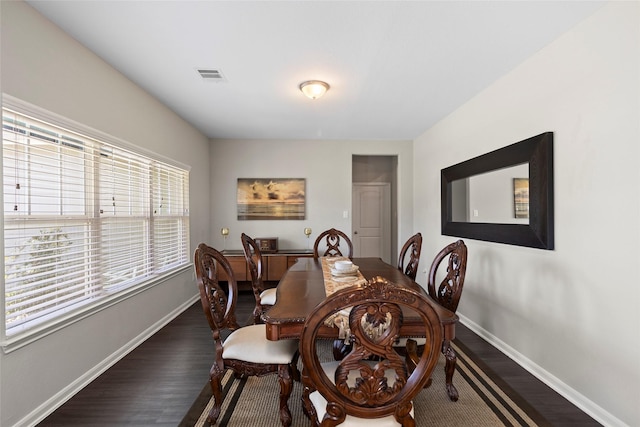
point(277, 267)
point(239, 267)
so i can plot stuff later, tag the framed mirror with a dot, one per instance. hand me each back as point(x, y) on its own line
point(487, 197)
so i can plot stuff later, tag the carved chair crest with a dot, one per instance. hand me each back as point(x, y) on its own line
point(412, 248)
point(218, 303)
point(449, 290)
point(332, 239)
point(373, 379)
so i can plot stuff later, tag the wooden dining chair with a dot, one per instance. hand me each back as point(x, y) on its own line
point(265, 298)
point(246, 350)
point(447, 293)
point(410, 256)
point(332, 239)
point(372, 381)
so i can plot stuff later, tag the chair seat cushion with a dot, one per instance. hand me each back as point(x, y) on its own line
point(320, 404)
point(250, 344)
point(268, 296)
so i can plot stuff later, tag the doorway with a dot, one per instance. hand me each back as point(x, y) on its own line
point(374, 207)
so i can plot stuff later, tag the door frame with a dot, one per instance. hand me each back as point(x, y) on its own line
point(387, 228)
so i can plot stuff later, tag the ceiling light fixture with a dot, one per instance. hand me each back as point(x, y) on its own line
point(314, 89)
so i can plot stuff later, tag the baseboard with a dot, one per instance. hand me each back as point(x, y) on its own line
point(57, 400)
point(569, 393)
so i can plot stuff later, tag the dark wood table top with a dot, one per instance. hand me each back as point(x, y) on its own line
point(302, 288)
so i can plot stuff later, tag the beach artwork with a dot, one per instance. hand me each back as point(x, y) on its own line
point(271, 198)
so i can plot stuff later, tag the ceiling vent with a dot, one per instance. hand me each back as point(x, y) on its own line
point(211, 75)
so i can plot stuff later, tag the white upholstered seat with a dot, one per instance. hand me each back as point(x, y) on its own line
point(268, 296)
point(249, 344)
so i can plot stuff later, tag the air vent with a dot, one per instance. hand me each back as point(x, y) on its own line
point(211, 74)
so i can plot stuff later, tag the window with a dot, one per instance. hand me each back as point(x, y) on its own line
point(84, 220)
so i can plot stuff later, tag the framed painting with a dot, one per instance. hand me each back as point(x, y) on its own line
point(271, 198)
point(521, 197)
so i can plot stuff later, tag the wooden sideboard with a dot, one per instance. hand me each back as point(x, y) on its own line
point(274, 266)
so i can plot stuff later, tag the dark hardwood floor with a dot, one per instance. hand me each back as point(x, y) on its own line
point(157, 382)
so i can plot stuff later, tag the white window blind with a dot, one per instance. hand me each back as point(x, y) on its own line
point(83, 219)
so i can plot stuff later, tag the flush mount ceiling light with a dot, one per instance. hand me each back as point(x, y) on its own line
point(314, 89)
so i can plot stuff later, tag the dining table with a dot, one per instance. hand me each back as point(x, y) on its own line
point(306, 284)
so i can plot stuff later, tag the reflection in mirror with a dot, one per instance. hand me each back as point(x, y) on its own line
point(504, 196)
point(499, 197)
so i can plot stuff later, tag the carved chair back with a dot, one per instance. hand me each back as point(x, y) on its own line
point(411, 251)
point(448, 292)
point(253, 256)
point(218, 302)
point(332, 239)
point(372, 380)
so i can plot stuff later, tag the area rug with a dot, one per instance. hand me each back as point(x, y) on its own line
point(484, 400)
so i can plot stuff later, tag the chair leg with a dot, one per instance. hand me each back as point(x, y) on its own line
point(257, 315)
point(215, 379)
point(412, 358)
point(449, 369)
point(286, 386)
point(307, 407)
point(295, 372)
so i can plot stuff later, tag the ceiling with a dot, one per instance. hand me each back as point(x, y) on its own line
point(395, 67)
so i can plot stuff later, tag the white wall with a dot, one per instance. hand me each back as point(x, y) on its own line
point(326, 166)
point(570, 315)
point(44, 66)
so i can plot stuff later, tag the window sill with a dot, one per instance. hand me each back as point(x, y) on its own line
point(21, 339)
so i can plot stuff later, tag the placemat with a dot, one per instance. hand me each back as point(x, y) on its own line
point(335, 283)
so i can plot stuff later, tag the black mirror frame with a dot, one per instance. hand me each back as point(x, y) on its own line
point(538, 152)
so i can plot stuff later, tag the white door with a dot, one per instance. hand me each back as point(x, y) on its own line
point(371, 223)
